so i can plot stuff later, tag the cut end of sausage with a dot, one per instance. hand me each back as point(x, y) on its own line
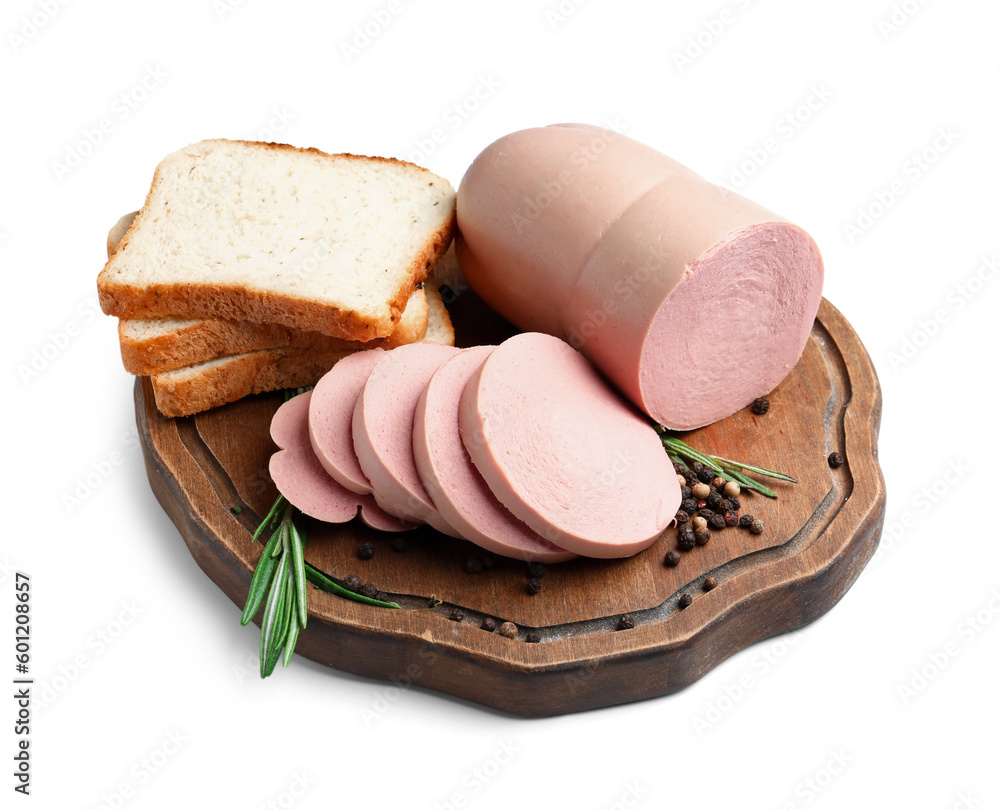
point(735, 327)
point(563, 452)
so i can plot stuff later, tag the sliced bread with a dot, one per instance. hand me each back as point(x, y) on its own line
point(154, 345)
point(270, 233)
point(226, 379)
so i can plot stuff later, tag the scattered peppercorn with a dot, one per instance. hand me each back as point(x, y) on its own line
point(731, 518)
point(473, 565)
point(719, 482)
point(672, 559)
point(398, 544)
point(698, 522)
point(536, 570)
point(681, 517)
point(685, 492)
point(488, 624)
point(714, 499)
point(690, 506)
point(705, 475)
point(626, 622)
point(382, 596)
point(679, 468)
point(735, 503)
point(746, 521)
point(508, 630)
point(533, 637)
point(707, 514)
point(760, 406)
point(457, 615)
point(701, 491)
point(685, 540)
point(352, 583)
point(710, 583)
point(702, 536)
point(681, 480)
point(366, 551)
point(369, 590)
point(533, 586)
point(731, 489)
point(835, 460)
point(685, 600)
point(697, 466)
point(757, 526)
point(717, 522)
point(724, 506)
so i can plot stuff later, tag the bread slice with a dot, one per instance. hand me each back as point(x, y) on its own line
point(226, 379)
point(154, 345)
point(270, 233)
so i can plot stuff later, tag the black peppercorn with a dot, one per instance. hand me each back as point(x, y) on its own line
point(710, 583)
point(369, 590)
point(533, 637)
point(352, 583)
point(708, 514)
point(705, 475)
point(746, 521)
point(682, 517)
point(757, 526)
point(536, 570)
point(702, 536)
point(672, 559)
point(725, 505)
point(457, 615)
point(366, 551)
point(697, 466)
point(626, 622)
point(488, 624)
point(398, 544)
point(382, 596)
point(533, 586)
point(735, 503)
point(760, 406)
point(685, 540)
point(717, 522)
point(714, 499)
point(689, 505)
point(835, 460)
point(731, 518)
point(473, 565)
point(685, 600)
point(685, 493)
point(680, 469)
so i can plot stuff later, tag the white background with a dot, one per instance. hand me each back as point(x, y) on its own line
point(814, 719)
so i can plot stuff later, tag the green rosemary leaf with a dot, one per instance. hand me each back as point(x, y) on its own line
point(268, 518)
point(287, 608)
point(260, 582)
point(747, 482)
point(739, 465)
point(293, 636)
point(267, 627)
point(682, 449)
point(324, 583)
point(299, 568)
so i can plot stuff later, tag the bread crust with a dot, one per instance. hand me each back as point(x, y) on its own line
point(236, 302)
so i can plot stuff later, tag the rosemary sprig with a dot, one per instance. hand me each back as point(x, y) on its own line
point(279, 583)
point(730, 470)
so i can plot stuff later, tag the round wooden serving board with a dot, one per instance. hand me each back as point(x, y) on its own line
point(820, 534)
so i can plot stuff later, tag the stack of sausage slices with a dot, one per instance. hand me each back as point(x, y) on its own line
point(521, 448)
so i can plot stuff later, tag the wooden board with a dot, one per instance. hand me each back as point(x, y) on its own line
point(820, 534)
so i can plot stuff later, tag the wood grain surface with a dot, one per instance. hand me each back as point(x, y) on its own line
point(820, 534)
